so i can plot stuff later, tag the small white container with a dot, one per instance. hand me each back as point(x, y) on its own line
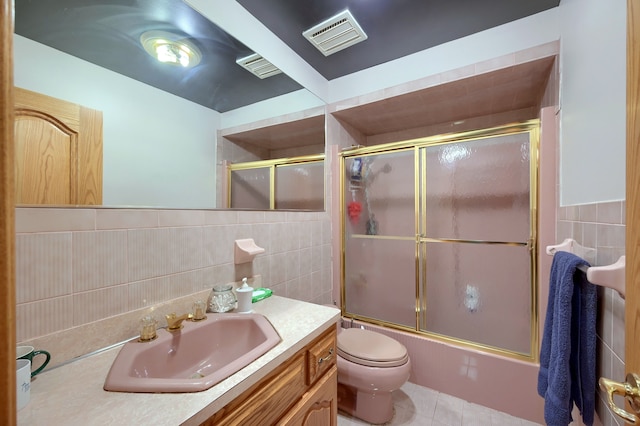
point(244, 293)
point(23, 382)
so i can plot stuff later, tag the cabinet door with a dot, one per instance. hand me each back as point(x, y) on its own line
point(58, 148)
point(267, 400)
point(318, 406)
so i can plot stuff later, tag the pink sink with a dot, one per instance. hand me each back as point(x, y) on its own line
point(194, 358)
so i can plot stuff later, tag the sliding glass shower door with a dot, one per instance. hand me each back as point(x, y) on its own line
point(474, 232)
point(295, 183)
point(439, 237)
point(380, 237)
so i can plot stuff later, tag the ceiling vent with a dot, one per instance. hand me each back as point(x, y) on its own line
point(336, 33)
point(258, 66)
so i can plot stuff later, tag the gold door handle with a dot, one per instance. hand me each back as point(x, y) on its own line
point(629, 389)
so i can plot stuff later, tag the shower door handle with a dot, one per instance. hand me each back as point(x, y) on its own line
point(630, 390)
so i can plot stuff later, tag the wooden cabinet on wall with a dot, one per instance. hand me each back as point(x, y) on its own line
point(301, 391)
point(58, 151)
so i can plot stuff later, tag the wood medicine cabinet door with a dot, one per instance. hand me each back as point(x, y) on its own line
point(58, 147)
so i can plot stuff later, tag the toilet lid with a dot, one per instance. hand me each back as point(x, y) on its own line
point(369, 348)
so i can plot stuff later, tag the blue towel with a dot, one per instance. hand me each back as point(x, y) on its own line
point(568, 352)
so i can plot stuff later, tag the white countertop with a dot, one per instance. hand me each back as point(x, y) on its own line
point(73, 395)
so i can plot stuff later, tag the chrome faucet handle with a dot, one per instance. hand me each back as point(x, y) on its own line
point(174, 322)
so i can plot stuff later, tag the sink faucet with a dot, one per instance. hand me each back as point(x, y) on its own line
point(174, 322)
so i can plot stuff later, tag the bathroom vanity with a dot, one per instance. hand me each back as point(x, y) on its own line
point(302, 391)
point(293, 383)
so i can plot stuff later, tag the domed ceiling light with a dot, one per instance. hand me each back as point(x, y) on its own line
point(170, 48)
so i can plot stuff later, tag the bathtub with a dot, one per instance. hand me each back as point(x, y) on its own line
point(494, 381)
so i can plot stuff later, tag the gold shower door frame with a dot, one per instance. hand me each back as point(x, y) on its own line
point(271, 165)
point(531, 127)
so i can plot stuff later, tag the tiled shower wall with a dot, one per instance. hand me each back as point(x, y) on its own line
point(602, 226)
point(79, 266)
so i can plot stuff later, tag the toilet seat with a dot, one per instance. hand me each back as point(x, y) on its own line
point(371, 349)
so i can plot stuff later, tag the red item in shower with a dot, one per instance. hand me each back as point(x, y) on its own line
point(354, 208)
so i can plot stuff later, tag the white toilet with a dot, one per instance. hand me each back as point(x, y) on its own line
point(370, 367)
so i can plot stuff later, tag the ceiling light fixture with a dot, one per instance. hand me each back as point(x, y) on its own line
point(170, 48)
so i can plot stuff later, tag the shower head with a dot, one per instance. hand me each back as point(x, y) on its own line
point(385, 169)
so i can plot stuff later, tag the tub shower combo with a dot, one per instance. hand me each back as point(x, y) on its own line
point(439, 237)
point(439, 248)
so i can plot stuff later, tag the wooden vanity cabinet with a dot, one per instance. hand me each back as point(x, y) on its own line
point(318, 406)
point(301, 391)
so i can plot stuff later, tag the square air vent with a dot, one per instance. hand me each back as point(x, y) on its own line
point(336, 33)
point(258, 66)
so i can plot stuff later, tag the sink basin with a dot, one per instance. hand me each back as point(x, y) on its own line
point(194, 358)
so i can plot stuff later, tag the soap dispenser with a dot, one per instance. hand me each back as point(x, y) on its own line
point(244, 293)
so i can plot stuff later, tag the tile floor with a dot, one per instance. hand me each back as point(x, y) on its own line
point(417, 405)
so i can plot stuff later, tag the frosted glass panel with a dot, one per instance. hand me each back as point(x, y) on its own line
point(479, 190)
point(480, 293)
point(380, 279)
point(250, 189)
point(380, 194)
point(300, 186)
point(456, 245)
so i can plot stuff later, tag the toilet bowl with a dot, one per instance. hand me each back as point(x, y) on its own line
point(370, 367)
